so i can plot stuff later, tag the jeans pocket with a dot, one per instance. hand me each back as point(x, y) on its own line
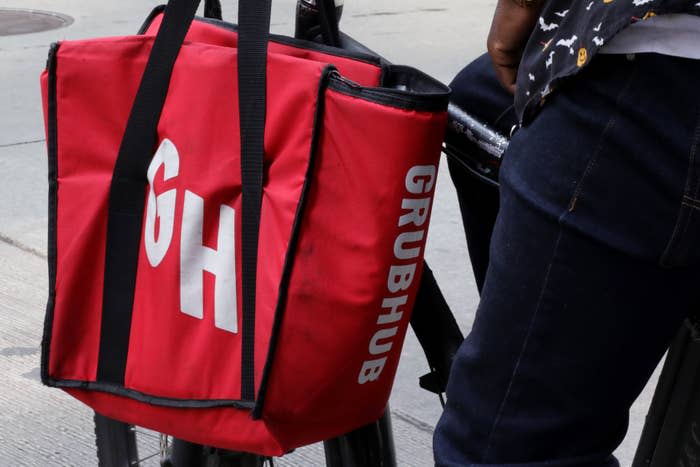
point(686, 231)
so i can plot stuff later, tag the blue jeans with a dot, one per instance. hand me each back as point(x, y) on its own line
point(594, 262)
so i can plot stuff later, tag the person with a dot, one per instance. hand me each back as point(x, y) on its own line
point(594, 257)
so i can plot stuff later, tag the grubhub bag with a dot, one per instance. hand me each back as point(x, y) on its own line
point(237, 225)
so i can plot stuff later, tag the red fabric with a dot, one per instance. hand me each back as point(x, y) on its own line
point(341, 272)
point(365, 74)
point(342, 282)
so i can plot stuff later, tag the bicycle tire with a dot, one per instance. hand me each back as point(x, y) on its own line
point(115, 443)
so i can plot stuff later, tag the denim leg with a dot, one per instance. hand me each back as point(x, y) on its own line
point(594, 263)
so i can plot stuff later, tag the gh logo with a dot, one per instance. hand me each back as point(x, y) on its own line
point(195, 258)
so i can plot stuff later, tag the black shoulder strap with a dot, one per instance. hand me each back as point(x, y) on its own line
point(253, 35)
point(128, 187)
point(128, 190)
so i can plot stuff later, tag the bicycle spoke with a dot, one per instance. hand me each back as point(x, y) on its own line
point(164, 441)
point(145, 433)
point(143, 459)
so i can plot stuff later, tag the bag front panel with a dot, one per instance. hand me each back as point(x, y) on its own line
point(357, 267)
point(174, 352)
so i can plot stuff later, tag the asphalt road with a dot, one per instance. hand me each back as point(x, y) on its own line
point(43, 427)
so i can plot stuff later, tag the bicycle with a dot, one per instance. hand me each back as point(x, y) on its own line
point(671, 434)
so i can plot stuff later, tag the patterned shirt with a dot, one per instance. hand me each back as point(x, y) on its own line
point(569, 34)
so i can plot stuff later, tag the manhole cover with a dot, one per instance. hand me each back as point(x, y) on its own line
point(16, 21)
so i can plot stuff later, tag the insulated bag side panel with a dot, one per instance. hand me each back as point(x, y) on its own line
point(358, 266)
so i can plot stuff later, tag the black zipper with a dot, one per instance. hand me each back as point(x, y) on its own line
point(402, 99)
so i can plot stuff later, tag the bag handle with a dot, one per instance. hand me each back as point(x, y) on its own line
point(212, 9)
point(314, 17)
point(128, 186)
point(329, 22)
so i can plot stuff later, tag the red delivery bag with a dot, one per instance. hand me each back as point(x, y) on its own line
point(237, 226)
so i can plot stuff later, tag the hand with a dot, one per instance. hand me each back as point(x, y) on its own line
point(512, 25)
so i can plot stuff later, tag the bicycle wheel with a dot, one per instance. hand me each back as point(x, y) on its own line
point(115, 442)
point(122, 445)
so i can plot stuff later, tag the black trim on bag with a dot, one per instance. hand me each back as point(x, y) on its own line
point(430, 95)
point(410, 80)
point(294, 240)
point(153, 400)
point(358, 55)
point(52, 149)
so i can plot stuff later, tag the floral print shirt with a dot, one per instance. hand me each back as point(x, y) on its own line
point(568, 35)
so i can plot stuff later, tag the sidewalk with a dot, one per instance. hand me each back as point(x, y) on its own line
point(44, 427)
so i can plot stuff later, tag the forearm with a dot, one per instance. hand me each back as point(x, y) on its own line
point(513, 23)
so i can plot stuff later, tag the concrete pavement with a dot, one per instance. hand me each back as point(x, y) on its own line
point(43, 427)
